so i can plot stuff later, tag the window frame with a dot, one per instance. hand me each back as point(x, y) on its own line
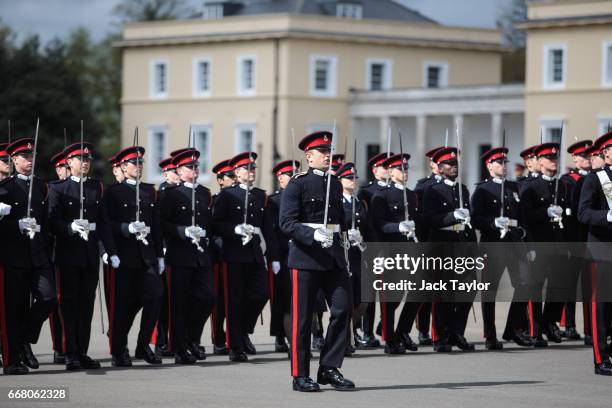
point(206, 15)
point(387, 79)
point(154, 173)
point(153, 92)
point(238, 129)
point(357, 9)
point(195, 78)
point(204, 152)
point(606, 61)
point(240, 89)
point(444, 73)
point(602, 124)
point(547, 80)
point(331, 89)
point(547, 124)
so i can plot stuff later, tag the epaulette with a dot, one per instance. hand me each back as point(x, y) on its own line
point(300, 174)
point(481, 182)
point(170, 187)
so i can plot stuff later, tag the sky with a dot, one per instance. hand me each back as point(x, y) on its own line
point(50, 18)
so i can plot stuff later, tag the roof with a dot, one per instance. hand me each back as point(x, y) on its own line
point(371, 9)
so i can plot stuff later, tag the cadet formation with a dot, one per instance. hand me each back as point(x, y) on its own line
point(181, 256)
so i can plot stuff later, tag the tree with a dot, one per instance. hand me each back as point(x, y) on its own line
point(513, 62)
point(151, 10)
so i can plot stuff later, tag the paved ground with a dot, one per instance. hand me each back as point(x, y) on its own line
point(561, 376)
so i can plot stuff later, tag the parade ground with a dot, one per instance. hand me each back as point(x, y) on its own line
point(560, 376)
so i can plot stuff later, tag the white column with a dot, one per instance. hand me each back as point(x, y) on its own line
point(385, 124)
point(496, 129)
point(420, 132)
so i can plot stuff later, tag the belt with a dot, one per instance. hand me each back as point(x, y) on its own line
point(455, 227)
point(512, 223)
point(331, 227)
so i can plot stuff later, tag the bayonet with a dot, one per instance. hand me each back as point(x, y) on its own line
point(331, 155)
point(362, 245)
point(411, 233)
point(459, 170)
point(502, 199)
point(560, 166)
point(33, 227)
point(196, 239)
point(142, 234)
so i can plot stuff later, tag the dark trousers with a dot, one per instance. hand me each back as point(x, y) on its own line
point(217, 316)
point(423, 317)
point(21, 323)
point(55, 325)
point(76, 300)
point(133, 289)
point(190, 301)
point(390, 333)
point(246, 291)
point(543, 315)
point(161, 329)
point(304, 287)
point(280, 300)
point(601, 310)
point(367, 322)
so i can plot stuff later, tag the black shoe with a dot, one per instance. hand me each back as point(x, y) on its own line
point(279, 345)
point(492, 343)
point(408, 343)
point(72, 363)
point(248, 345)
point(28, 357)
point(143, 351)
point(552, 333)
point(238, 356)
point(317, 343)
point(220, 350)
point(331, 376)
point(588, 340)
point(122, 360)
point(371, 341)
point(162, 351)
point(519, 338)
point(394, 348)
point(556, 330)
point(359, 341)
point(59, 357)
point(460, 341)
point(88, 363)
point(572, 334)
point(441, 346)
point(349, 351)
point(16, 369)
point(183, 357)
point(604, 368)
point(424, 339)
point(198, 351)
point(305, 384)
point(539, 342)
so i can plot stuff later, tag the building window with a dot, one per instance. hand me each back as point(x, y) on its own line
point(551, 130)
point(323, 75)
point(245, 138)
point(202, 141)
point(607, 64)
point(605, 125)
point(201, 77)
point(246, 76)
point(159, 79)
point(212, 11)
point(555, 63)
point(435, 74)
point(156, 150)
point(378, 74)
point(349, 10)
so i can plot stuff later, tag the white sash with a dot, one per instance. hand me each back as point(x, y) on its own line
point(606, 186)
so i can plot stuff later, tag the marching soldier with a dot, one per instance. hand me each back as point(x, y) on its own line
point(531, 162)
point(497, 226)
point(519, 171)
point(389, 216)
point(543, 205)
point(365, 194)
point(280, 280)
point(449, 222)
point(576, 231)
point(5, 158)
point(74, 221)
point(595, 210)
point(225, 178)
point(337, 161)
point(24, 261)
point(116, 169)
point(136, 254)
point(317, 261)
point(245, 231)
point(186, 221)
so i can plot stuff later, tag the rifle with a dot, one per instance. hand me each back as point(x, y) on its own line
point(249, 236)
point(32, 228)
point(81, 221)
point(460, 185)
point(141, 235)
point(502, 199)
point(388, 149)
point(195, 240)
point(411, 233)
point(560, 166)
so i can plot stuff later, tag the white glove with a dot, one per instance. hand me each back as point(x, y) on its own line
point(5, 209)
point(241, 229)
point(161, 264)
point(195, 232)
point(502, 222)
point(324, 236)
point(531, 255)
point(77, 228)
point(276, 267)
point(115, 261)
point(461, 214)
point(137, 227)
point(407, 226)
point(355, 237)
point(28, 226)
point(105, 258)
point(554, 211)
point(609, 216)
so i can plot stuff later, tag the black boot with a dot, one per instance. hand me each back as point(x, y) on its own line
point(539, 342)
point(184, 357)
point(29, 359)
point(408, 343)
point(491, 343)
point(552, 333)
point(17, 368)
point(305, 384)
point(588, 340)
point(59, 357)
point(572, 333)
point(238, 356)
point(279, 345)
point(122, 360)
point(604, 368)
point(442, 346)
point(72, 363)
point(333, 377)
point(144, 352)
point(220, 350)
point(162, 350)
point(424, 339)
point(461, 342)
point(198, 351)
point(88, 363)
point(519, 338)
point(248, 345)
point(394, 347)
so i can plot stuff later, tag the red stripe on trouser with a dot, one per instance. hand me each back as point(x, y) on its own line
point(226, 305)
point(214, 313)
point(111, 317)
point(58, 278)
point(594, 315)
point(294, 323)
point(531, 317)
point(562, 321)
point(154, 334)
point(383, 318)
point(434, 333)
point(169, 290)
point(3, 329)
